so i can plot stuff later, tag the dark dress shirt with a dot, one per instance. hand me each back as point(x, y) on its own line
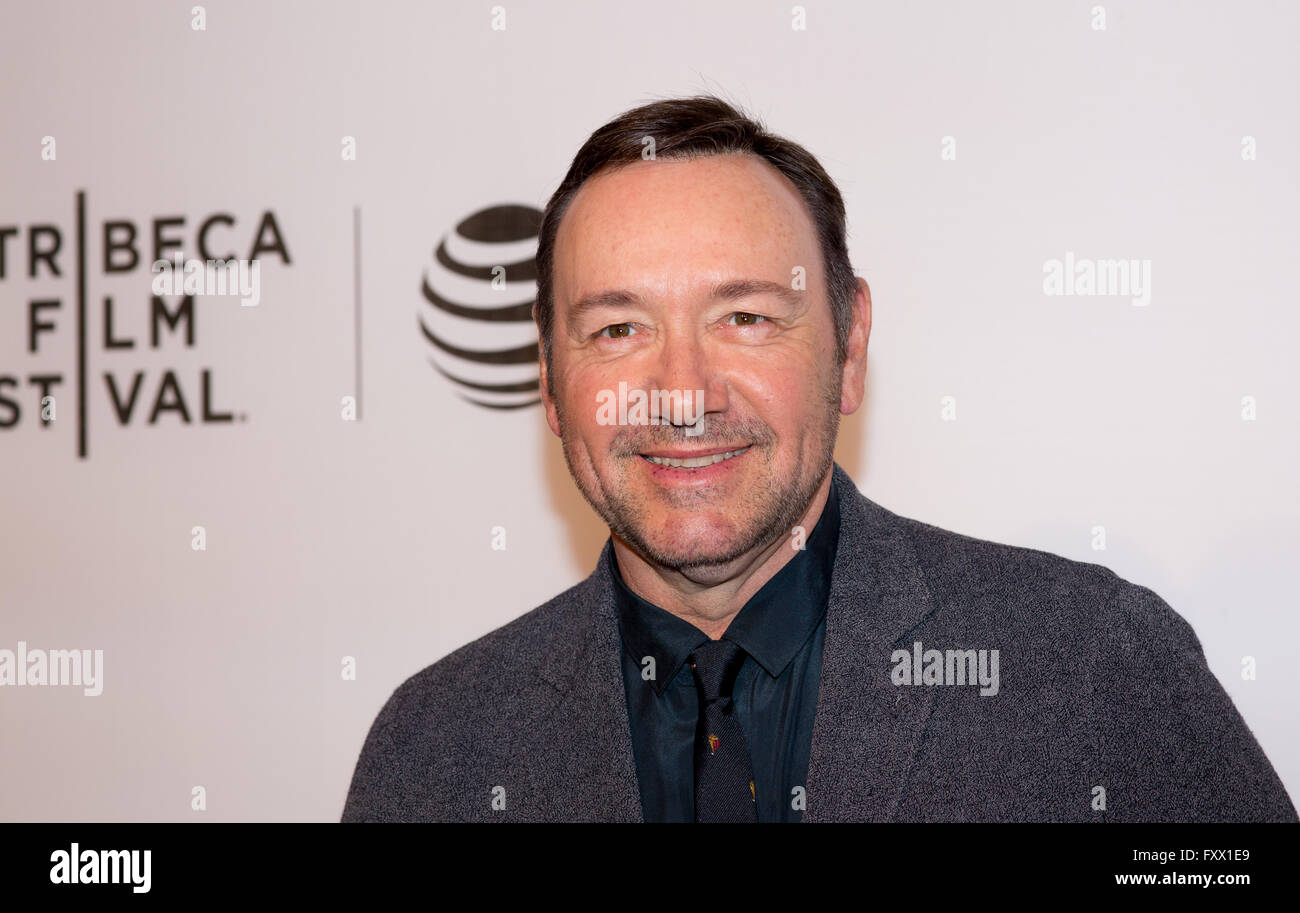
point(781, 628)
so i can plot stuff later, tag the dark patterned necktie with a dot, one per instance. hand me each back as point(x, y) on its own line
point(724, 781)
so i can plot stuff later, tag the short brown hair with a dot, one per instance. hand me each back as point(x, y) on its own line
point(684, 128)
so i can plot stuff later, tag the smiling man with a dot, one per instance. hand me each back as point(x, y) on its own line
point(759, 641)
point(681, 275)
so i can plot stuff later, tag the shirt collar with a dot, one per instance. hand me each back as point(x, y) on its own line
point(771, 627)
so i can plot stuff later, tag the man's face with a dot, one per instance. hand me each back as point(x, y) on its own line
point(682, 276)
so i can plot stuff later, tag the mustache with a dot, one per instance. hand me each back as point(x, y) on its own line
point(717, 433)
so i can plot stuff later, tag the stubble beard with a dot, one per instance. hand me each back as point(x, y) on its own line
point(775, 508)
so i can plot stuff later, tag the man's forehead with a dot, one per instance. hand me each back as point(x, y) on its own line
point(675, 223)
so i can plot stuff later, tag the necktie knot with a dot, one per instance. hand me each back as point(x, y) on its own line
point(715, 665)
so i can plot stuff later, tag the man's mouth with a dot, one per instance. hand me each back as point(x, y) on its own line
point(693, 462)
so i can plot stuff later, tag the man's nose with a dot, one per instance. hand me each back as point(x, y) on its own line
point(686, 368)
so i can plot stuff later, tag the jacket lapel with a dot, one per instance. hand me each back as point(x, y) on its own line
point(866, 730)
point(578, 760)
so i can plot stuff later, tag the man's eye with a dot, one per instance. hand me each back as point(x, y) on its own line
point(616, 331)
point(745, 319)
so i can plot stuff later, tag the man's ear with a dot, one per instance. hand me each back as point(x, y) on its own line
point(853, 384)
point(552, 414)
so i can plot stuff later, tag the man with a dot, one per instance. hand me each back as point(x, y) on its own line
point(758, 641)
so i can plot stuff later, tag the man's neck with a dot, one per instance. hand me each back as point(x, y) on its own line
point(711, 605)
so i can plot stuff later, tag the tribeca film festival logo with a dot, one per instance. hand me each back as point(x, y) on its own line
point(946, 667)
point(1104, 278)
point(54, 668)
point(99, 294)
point(479, 292)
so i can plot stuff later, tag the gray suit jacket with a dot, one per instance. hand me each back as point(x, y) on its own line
point(1103, 687)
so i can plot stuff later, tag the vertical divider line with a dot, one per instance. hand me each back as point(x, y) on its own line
point(356, 296)
point(81, 324)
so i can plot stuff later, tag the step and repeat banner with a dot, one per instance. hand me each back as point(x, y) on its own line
point(239, 506)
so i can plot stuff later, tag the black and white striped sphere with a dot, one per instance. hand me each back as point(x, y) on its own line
point(477, 313)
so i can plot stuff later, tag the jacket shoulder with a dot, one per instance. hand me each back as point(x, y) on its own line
point(1016, 592)
point(493, 667)
point(1105, 670)
point(450, 725)
point(1077, 617)
point(1010, 592)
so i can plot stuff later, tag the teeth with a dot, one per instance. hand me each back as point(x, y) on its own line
point(696, 462)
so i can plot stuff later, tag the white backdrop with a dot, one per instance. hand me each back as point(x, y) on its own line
point(328, 538)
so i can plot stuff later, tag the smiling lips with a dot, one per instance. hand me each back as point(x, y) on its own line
point(699, 461)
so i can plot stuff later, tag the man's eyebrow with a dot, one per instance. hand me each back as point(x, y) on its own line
point(731, 290)
point(735, 289)
point(597, 300)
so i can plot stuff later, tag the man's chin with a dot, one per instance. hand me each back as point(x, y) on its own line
point(683, 552)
